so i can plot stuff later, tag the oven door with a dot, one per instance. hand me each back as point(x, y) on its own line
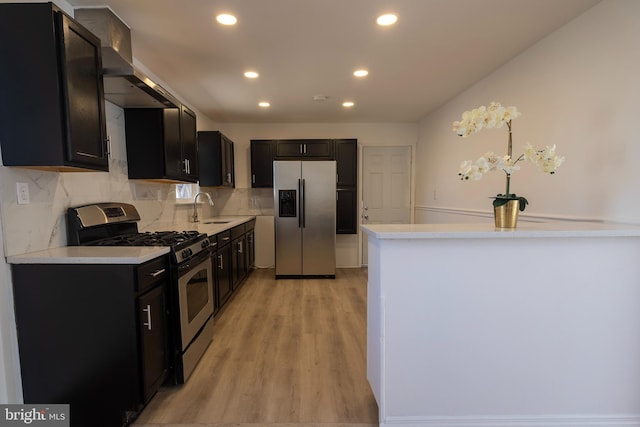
point(195, 295)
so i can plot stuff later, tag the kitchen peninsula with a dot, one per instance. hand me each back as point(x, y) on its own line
point(468, 325)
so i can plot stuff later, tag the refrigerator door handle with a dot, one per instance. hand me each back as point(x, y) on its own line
point(299, 203)
point(302, 205)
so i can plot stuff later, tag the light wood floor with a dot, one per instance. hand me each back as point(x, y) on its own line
point(285, 353)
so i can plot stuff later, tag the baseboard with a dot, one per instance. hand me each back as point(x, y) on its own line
point(516, 421)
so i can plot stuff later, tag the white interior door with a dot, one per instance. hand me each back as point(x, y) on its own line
point(386, 188)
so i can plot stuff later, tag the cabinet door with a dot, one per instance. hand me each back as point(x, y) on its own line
point(346, 151)
point(226, 146)
point(239, 261)
point(188, 144)
point(215, 156)
point(82, 62)
point(151, 307)
point(51, 100)
point(304, 148)
point(347, 211)
point(347, 162)
point(172, 150)
point(223, 272)
point(251, 249)
point(262, 152)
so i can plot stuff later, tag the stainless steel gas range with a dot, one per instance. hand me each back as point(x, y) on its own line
point(191, 295)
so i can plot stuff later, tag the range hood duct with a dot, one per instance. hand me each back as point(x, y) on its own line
point(124, 84)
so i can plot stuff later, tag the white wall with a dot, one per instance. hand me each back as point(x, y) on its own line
point(577, 88)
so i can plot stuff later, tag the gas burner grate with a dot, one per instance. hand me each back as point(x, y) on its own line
point(158, 238)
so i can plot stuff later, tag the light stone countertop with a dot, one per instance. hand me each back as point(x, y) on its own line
point(125, 254)
point(487, 230)
point(91, 255)
point(210, 226)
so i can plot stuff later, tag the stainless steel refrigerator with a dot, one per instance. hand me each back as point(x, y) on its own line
point(305, 218)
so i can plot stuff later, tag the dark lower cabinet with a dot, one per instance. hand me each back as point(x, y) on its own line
point(239, 256)
point(52, 106)
point(234, 259)
point(153, 344)
point(346, 204)
point(84, 340)
point(223, 268)
point(251, 245)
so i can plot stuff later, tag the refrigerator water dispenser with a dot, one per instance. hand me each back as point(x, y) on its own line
point(287, 203)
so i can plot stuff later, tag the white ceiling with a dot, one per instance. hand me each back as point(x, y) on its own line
point(303, 48)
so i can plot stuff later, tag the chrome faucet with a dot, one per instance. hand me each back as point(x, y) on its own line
point(195, 205)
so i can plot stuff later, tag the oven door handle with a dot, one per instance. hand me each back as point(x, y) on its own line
point(194, 261)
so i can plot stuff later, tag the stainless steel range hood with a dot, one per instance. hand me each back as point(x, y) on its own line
point(124, 84)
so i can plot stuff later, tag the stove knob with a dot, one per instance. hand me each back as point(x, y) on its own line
point(205, 243)
point(186, 253)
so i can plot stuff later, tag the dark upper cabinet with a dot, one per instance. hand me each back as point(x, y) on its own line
point(52, 111)
point(189, 143)
point(215, 157)
point(320, 149)
point(161, 144)
point(262, 155)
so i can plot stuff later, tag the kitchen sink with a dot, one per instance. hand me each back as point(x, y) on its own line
point(217, 222)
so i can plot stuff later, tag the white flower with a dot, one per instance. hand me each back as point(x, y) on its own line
point(546, 160)
point(506, 164)
point(496, 116)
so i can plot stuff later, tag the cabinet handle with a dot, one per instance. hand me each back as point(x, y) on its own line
point(107, 141)
point(157, 272)
point(301, 149)
point(253, 178)
point(305, 148)
point(229, 177)
point(148, 310)
point(226, 238)
point(220, 264)
point(240, 247)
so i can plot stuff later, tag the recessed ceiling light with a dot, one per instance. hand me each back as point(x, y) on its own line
point(251, 74)
point(387, 19)
point(226, 19)
point(264, 104)
point(348, 104)
point(360, 73)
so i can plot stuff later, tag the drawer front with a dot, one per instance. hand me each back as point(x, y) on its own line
point(250, 225)
point(152, 272)
point(237, 231)
point(223, 238)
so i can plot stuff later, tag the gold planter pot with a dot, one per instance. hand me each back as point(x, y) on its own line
point(506, 216)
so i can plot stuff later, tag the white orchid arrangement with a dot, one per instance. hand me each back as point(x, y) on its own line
point(497, 116)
